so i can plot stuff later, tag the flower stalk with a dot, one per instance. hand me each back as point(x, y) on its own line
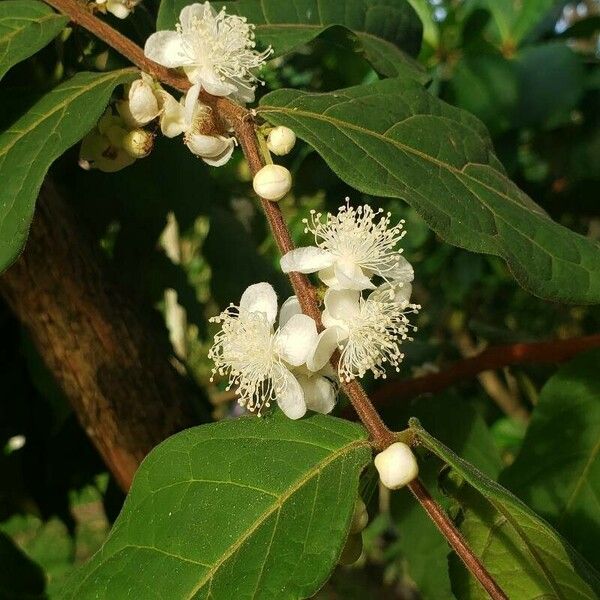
point(243, 124)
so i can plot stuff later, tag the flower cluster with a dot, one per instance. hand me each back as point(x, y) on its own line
point(217, 53)
point(268, 364)
point(290, 365)
point(353, 249)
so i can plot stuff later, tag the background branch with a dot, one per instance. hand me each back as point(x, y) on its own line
point(496, 357)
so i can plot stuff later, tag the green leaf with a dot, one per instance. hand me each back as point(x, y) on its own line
point(388, 30)
point(26, 26)
point(392, 138)
point(246, 508)
point(557, 472)
point(28, 148)
point(457, 423)
point(522, 552)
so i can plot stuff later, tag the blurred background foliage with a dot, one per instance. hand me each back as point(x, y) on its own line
point(187, 240)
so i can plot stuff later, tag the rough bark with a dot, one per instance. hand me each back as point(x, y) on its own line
point(104, 354)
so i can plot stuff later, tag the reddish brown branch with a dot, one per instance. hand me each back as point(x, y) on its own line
point(554, 351)
point(456, 540)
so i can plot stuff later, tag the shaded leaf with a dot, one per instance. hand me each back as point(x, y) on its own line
point(28, 148)
point(522, 552)
point(557, 472)
point(392, 138)
point(388, 30)
point(237, 509)
point(26, 26)
point(19, 576)
point(457, 423)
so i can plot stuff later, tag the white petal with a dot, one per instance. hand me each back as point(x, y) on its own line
point(260, 297)
point(342, 304)
point(351, 277)
point(319, 393)
point(207, 146)
point(143, 104)
point(172, 118)
point(326, 344)
point(165, 48)
point(402, 271)
point(209, 80)
point(288, 309)
point(118, 9)
point(189, 13)
point(327, 276)
point(191, 103)
point(291, 398)
point(306, 260)
point(296, 339)
point(221, 159)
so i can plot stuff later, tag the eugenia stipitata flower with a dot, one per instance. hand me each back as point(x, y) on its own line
point(216, 51)
point(368, 332)
point(265, 364)
point(352, 247)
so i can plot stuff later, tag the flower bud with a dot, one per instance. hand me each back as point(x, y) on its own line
point(360, 518)
point(281, 140)
point(397, 466)
point(272, 182)
point(142, 105)
point(138, 143)
point(352, 549)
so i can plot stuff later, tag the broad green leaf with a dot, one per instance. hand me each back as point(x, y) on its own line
point(458, 424)
point(26, 26)
point(388, 30)
point(557, 472)
point(28, 148)
point(392, 138)
point(527, 558)
point(246, 508)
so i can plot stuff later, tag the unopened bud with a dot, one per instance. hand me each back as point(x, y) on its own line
point(360, 518)
point(272, 182)
point(352, 549)
point(397, 466)
point(281, 140)
point(138, 143)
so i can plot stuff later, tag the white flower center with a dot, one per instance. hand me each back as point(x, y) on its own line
point(375, 336)
point(244, 352)
point(355, 237)
point(225, 45)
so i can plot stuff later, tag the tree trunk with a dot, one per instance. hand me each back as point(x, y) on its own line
point(108, 360)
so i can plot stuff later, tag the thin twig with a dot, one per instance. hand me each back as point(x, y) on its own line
point(496, 357)
point(242, 122)
point(456, 540)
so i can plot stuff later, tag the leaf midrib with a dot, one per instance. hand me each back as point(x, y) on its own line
point(315, 471)
point(13, 32)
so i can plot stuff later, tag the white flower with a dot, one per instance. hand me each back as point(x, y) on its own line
point(142, 104)
point(368, 332)
point(350, 248)
point(216, 51)
point(397, 466)
point(259, 360)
